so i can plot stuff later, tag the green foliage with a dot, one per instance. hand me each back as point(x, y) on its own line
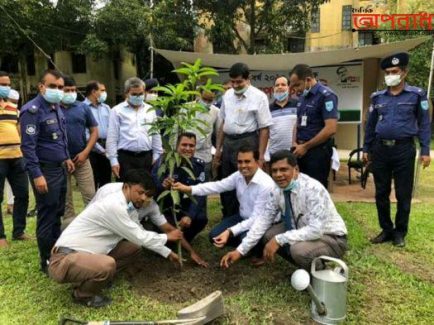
point(179, 110)
point(270, 21)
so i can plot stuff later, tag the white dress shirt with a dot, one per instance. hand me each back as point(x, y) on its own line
point(252, 196)
point(246, 113)
point(104, 223)
point(129, 130)
point(150, 212)
point(203, 142)
point(315, 215)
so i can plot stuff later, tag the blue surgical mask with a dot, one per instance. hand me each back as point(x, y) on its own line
point(280, 97)
point(136, 100)
point(130, 207)
point(306, 92)
point(292, 185)
point(240, 91)
point(102, 98)
point(53, 96)
point(69, 98)
point(4, 91)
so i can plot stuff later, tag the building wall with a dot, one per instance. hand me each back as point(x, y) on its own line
point(101, 70)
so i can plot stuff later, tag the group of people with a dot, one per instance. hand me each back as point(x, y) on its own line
point(273, 162)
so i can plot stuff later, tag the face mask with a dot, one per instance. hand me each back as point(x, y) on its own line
point(4, 91)
point(240, 91)
point(136, 100)
point(392, 80)
point(53, 96)
point(130, 207)
point(292, 185)
point(280, 97)
point(150, 97)
point(69, 98)
point(207, 105)
point(102, 98)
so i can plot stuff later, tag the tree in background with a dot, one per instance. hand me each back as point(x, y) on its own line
point(271, 21)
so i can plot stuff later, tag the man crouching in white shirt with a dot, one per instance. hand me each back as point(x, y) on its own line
point(252, 186)
point(309, 224)
point(92, 248)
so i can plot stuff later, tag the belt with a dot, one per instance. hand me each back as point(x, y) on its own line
point(135, 153)
point(391, 143)
point(63, 250)
point(240, 136)
point(47, 164)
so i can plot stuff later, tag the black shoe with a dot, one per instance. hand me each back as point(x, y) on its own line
point(44, 269)
point(94, 301)
point(398, 240)
point(382, 238)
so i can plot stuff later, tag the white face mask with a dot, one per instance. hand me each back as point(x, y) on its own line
point(392, 80)
point(150, 97)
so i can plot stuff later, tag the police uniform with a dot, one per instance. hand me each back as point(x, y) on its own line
point(320, 104)
point(44, 146)
point(393, 123)
point(195, 210)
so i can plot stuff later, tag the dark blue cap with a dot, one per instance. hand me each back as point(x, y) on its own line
point(395, 60)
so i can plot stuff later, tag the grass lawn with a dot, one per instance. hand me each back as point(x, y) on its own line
point(387, 285)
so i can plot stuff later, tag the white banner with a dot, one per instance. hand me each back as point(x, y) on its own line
point(346, 80)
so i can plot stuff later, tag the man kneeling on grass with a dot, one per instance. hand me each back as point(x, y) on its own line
point(252, 185)
point(104, 239)
point(309, 227)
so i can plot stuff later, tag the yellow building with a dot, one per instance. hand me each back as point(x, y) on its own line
point(112, 71)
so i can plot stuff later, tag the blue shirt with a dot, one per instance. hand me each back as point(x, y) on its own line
point(320, 104)
point(43, 134)
point(78, 119)
point(395, 117)
point(101, 113)
point(187, 206)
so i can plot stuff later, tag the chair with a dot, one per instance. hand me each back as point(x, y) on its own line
point(355, 162)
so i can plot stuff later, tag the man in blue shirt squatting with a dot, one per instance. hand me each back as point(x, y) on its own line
point(192, 217)
point(397, 115)
point(45, 149)
point(317, 116)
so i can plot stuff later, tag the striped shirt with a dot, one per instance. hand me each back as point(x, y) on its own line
point(284, 119)
point(10, 139)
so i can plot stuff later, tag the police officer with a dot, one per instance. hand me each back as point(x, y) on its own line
point(397, 114)
point(45, 149)
point(317, 115)
point(192, 217)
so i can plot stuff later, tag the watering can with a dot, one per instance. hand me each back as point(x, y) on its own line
point(328, 290)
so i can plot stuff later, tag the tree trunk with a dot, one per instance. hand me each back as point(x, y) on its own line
point(252, 23)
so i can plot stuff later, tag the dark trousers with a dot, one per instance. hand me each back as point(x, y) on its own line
point(102, 171)
point(50, 206)
point(395, 162)
point(129, 160)
point(13, 170)
point(197, 225)
point(227, 223)
point(316, 162)
point(229, 165)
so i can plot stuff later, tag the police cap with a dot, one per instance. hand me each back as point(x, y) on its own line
point(395, 60)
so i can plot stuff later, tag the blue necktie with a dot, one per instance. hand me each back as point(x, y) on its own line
point(287, 216)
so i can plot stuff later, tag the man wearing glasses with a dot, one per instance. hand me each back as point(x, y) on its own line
point(45, 149)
